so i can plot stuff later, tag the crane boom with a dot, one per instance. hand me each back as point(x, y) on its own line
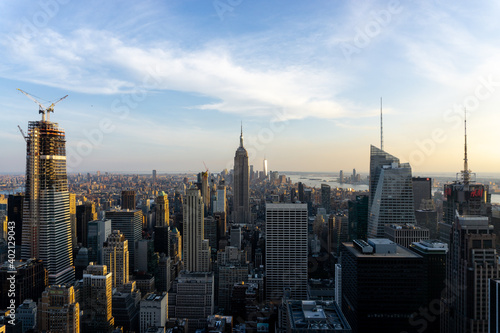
point(22, 132)
point(42, 109)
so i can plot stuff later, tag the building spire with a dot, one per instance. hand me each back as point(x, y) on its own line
point(241, 135)
point(381, 127)
point(466, 171)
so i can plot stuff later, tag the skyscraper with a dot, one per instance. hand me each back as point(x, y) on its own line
point(84, 214)
point(162, 210)
point(97, 300)
point(471, 261)
point(286, 250)
point(391, 194)
point(15, 214)
point(241, 190)
point(128, 200)
point(265, 168)
point(192, 297)
point(464, 196)
point(196, 251)
point(383, 285)
point(58, 309)
point(326, 197)
point(129, 222)
point(116, 258)
point(46, 217)
point(98, 232)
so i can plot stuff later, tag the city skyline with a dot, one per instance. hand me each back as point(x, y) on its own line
point(140, 86)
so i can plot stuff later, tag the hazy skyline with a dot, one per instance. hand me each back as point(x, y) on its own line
point(164, 85)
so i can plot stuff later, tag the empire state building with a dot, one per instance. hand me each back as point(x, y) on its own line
point(241, 202)
point(46, 217)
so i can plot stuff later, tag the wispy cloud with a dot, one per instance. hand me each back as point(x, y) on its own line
point(98, 62)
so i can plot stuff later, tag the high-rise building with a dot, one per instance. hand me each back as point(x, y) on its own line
point(125, 310)
point(192, 297)
point(30, 280)
point(153, 311)
point(464, 196)
point(46, 218)
point(301, 192)
point(98, 232)
point(220, 203)
point(205, 191)
point(116, 258)
point(405, 234)
point(26, 314)
point(286, 250)
point(422, 190)
point(210, 231)
point(15, 205)
point(72, 216)
point(128, 200)
point(326, 197)
point(391, 194)
point(236, 236)
point(154, 182)
point(129, 222)
point(161, 239)
point(264, 168)
point(229, 275)
point(358, 217)
point(341, 176)
point(162, 210)
point(163, 280)
point(196, 251)
point(471, 261)
point(84, 214)
point(58, 309)
point(493, 305)
point(383, 285)
point(434, 254)
point(241, 189)
point(175, 244)
point(96, 295)
point(81, 262)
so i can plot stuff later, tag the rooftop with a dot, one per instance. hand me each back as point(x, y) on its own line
point(316, 315)
point(400, 252)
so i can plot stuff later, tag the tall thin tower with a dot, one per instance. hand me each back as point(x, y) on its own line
point(196, 249)
point(381, 127)
point(46, 212)
point(241, 201)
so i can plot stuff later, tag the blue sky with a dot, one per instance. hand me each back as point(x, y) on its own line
point(165, 84)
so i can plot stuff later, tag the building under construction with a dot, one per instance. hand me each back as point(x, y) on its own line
point(46, 217)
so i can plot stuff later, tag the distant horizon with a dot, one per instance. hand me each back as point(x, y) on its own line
point(479, 175)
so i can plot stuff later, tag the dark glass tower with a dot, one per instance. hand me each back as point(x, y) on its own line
point(241, 202)
point(391, 193)
point(46, 217)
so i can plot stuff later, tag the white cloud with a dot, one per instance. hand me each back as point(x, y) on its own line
point(100, 63)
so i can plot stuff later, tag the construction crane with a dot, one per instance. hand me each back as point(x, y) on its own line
point(22, 133)
point(42, 109)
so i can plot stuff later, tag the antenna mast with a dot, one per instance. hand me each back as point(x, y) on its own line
point(381, 127)
point(466, 172)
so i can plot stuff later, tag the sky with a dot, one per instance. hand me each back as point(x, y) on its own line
point(167, 84)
